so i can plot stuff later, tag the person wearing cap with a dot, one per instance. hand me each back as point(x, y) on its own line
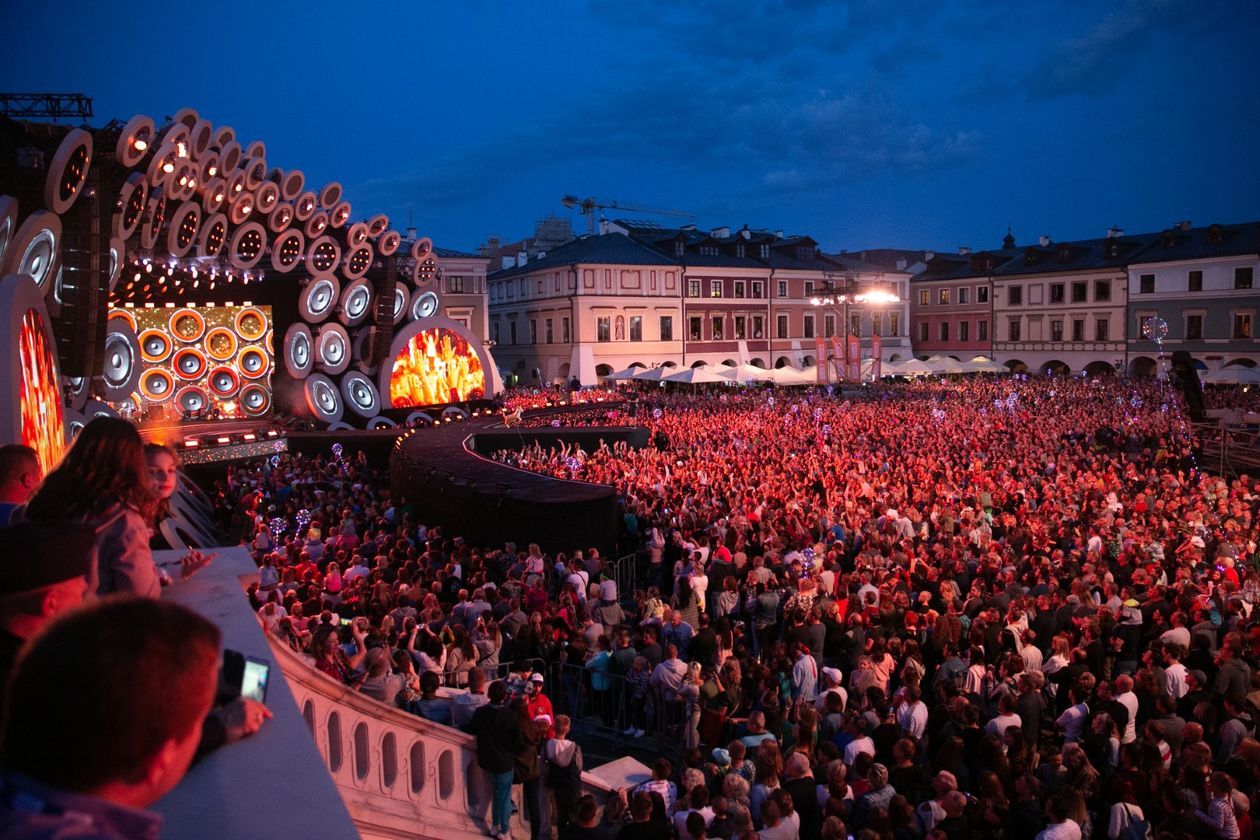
point(538, 704)
point(833, 683)
point(43, 574)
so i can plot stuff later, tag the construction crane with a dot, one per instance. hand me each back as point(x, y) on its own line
point(587, 207)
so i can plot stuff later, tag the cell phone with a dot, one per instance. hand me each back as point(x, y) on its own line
point(242, 676)
point(345, 622)
point(254, 679)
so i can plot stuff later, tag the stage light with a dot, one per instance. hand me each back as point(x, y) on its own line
point(148, 268)
point(250, 436)
point(191, 443)
point(223, 440)
point(139, 144)
point(168, 167)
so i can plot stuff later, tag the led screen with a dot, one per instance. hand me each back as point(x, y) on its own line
point(435, 367)
point(43, 422)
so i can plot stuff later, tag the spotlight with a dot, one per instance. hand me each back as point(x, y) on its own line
point(139, 145)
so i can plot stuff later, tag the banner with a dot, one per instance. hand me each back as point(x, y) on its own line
point(820, 359)
point(838, 358)
point(876, 351)
point(854, 359)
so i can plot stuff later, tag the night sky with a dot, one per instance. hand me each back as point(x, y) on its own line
point(916, 123)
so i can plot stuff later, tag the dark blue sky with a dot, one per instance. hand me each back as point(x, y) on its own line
point(916, 123)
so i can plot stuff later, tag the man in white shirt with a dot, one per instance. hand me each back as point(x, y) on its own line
point(1005, 718)
point(1059, 826)
point(1175, 672)
point(1126, 698)
point(1072, 721)
point(832, 680)
point(669, 675)
point(912, 714)
point(861, 743)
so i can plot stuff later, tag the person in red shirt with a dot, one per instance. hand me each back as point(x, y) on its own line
point(538, 704)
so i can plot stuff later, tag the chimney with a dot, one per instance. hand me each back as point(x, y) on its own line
point(1114, 232)
point(1184, 224)
point(964, 250)
point(411, 233)
point(901, 264)
point(603, 226)
point(778, 234)
point(720, 232)
point(1045, 241)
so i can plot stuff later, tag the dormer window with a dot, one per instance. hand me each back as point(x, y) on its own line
point(765, 250)
point(1031, 257)
point(680, 248)
point(1170, 239)
point(739, 251)
point(1065, 254)
point(804, 253)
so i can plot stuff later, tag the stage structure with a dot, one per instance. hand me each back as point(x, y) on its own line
point(171, 265)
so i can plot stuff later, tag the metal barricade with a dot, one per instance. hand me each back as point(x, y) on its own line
point(605, 706)
point(626, 573)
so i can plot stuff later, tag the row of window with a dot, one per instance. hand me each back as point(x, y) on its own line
point(741, 288)
point(623, 328)
point(964, 331)
point(963, 296)
point(1193, 326)
point(1244, 276)
point(1102, 330)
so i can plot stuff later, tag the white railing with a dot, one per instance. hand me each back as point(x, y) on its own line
point(398, 774)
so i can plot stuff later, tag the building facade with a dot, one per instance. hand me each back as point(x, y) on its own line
point(1061, 307)
point(463, 287)
point(1197, 287)
point(951, 307)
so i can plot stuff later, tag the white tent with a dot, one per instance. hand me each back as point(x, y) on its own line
point(1235, 375)
point(914, 367)
point(983, 364)
point(628, 373)
point(944, 364)
point(794, 376)
point(746, 373)
point(655, 374)
point(697, 376)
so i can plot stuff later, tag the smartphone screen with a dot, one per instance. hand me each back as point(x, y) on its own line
point(254, 679)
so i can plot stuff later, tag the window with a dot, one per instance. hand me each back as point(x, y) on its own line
point(765, 250)
point(923, 331)
point(1078, 329)
point(962, 295)
point(1080, 292)
point(693, 288)
point(533, 330)
point(1056, 330)
point(809, 289)
point(809, 325)
point(455, 283)
point(719, 332)
point(964, 330)
point(982, 294)
point(1102, 328)
point(804, 253)
point(512, 331)
point(680, 248)
point(740, 288)
point(982, 330)
point(636, 327)
point(1242, 324)
point(894, 324)
point(549, 333)
point(1016, 295)
point(924, 297)
point(944, 330)
point(1146, 325)
point(758, 289)
point(693, 328)
point(1056, 293)
point(1146, 284)
point(603, 329)
point(759, 327)
point(496, 332)
point(739, 251)
point(1243, 277)
point(782, 291)
point(715, 288)
point(540, 285)
point(1013, 331)
point(943, 297)
point(741, 327)
point(1194, 281)
point(667, 328)
point(708, 250)
point(855, 324)
point(1194, 327)
point(1102, 290)
point(829, 326)
point(876, 322)
point(781, 326)
point(564, 329)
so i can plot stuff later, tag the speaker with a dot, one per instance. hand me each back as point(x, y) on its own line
point(223, 382)
point(255, 399)
point(384, 288)
point(80, 328)
point(221, 344)
point(323, 398)
point(155, 346)
point(157, 384)
point(360, 394)
point(121, 367)
point(189, 363)
point(191, 399)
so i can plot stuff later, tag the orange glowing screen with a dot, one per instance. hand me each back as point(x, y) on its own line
point(435, 367)
point(43, 423)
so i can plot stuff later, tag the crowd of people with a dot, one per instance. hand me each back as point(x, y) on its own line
point(1242, 399)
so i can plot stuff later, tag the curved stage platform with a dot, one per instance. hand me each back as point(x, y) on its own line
point(445, 474)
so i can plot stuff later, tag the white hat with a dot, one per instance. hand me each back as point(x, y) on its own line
point(537, 677)
point(833, 674)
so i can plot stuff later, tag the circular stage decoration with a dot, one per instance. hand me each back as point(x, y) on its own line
point(255, 400)
point(122, 315)
point(299, 356)
point(423, 305)
point(248, 243)
point(266, 197)
point(190, 399)
point(255, 168)
point(356, 234)
point(187, 325)
point(223, 382)
point(286, 250)
point(189, 363)
point(381, 422)
point(400, 302)
point(252, 362)
point(34, 250)
point(76, 390)
point(305, 206)
point(235, 184)
point(378, 224)
point(156, 212)
point(332, 349)
point(356, 302)
point(155, 346)
point(389, 243)
point(280, 218)
point(322, 398)
point(34, 413)
point(340, 214)
point(213, 235)
point(358, 261)
point(117, 251)
point(316, 224)
point(131, 198)
point(68, 171)
point(318, 299)
point(360, 394)
point(433, 362)
point(182, 234)
point(421, 248)
point(221, 344)
point(291, 184)
point(323, 255)
point(360, 350)
point(330, 195)
point(134, 141)
point(214, 193)
point(229, 153)
point(8, 223)
point(121, 371)
point(251, 324)
point(241, 208)
point(157, 384)
point(207, 167)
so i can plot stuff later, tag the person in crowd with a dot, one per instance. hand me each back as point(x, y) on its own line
point(498, 734)
point(20, 475)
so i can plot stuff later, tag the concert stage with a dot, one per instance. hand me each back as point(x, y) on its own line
point(448, 480)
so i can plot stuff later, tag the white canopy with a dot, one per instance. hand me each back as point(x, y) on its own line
point(746, 373)
point(655, 374)
point(914, 367)
point(983, 364)
point(1235, 375)
point(945, 364)
point(628, 373)
point(794, 376)
point(702, 375)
